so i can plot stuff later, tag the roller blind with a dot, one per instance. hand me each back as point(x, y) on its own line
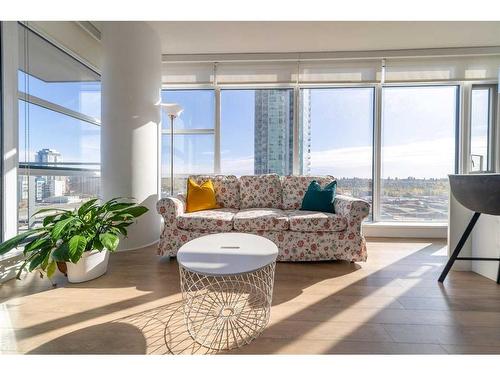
point(187, 73)
point(412, 69)
point(340, 71)
point(265, 72)
point(442, 69)
point(49, 64)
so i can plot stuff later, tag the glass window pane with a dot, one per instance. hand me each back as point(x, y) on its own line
point(418, 152)
point(82, 97)
point(257, 131)
point(193, 154)
point(50, 139)
point(38, 192)
point(480, 119)
point(198, 105)
point(48, 73)
point(337, 137)
point(59, 155)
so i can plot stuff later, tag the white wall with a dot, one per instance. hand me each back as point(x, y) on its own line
point(10, 128)
point(486, 244)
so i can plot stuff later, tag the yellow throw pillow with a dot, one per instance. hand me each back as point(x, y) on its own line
point(200, 197)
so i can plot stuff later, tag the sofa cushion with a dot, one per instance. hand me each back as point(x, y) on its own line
point(200, 197)
point(220, 219)
point(254, 219)
point(313, 221)
point(227, 189)
point(295, 187)
point(260, 191)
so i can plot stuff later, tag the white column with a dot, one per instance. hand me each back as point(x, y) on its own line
point(131, 84)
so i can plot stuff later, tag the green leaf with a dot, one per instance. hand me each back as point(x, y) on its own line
point(60, 226)
point(51, 269)
point(49, 219)
point(135, 211)
point(61, 254)
point(119, 206)
point(97, 244)
point(38, 259)
point(49, 209)
point(86, 206)
point(16, 241)
point(121, 217)
point(110, 241)
point(76, 247)
point(40, 242)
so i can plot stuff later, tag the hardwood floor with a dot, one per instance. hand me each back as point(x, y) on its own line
point(391, 304)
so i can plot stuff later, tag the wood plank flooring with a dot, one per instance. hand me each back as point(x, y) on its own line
point(391, 304)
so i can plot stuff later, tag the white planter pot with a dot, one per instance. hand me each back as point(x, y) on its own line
point(92, 265)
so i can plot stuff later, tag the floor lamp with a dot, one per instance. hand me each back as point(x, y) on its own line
point(173, 110)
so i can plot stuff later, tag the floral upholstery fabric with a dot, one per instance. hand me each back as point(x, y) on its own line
point(227, 189)
point(295, 187)
point(348, 244)
point(260, 191)
point(313, 221)
point(220, 219)
point(253, 219)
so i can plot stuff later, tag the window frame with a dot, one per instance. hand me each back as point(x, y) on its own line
point(375, 120)
point(65, 169)
point(378, 213)
point(377, 225)
point(492, 120)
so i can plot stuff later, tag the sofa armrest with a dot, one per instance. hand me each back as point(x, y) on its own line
point(353, 209)
point(170, 208)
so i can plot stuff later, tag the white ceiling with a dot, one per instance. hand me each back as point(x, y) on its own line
point(250, 37)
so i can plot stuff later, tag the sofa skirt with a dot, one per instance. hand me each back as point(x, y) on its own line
point(292, 246)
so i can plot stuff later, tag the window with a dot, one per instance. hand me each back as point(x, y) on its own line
point(418, 151)
point(481, 119)
point(59, 129)
point(194, 142)
point(337, 137)
point(256, 131)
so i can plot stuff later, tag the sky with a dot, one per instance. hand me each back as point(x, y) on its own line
point(418, 137)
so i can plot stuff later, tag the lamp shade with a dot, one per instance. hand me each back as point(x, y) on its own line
point(173, 109)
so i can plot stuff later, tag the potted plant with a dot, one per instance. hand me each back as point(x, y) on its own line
point(77, 242)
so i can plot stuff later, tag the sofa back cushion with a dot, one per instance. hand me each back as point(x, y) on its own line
point(227, 189)
point(260, 191)
point(295, 187)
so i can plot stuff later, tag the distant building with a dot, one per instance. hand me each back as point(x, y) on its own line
point(49, 186)
point(273, 145)
point(48, 155)
point(40, 183)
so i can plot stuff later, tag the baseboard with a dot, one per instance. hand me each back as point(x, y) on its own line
point(139, 247)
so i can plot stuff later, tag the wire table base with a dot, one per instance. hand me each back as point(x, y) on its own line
point(227, 311)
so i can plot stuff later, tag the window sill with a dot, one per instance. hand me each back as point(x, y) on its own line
point(405, 229)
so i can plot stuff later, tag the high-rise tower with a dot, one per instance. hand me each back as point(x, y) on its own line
point(273, 132)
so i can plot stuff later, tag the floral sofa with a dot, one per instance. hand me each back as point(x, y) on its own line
point(268, 205)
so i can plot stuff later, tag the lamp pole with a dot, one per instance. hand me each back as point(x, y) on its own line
point(173, 111)
point(172, 117)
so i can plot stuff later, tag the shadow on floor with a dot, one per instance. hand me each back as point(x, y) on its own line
point(107, 338)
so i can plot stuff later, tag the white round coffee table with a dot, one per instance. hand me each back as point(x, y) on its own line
point(227, 285)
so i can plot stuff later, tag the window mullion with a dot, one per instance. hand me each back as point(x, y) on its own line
point(217, 135)
point(377, 152)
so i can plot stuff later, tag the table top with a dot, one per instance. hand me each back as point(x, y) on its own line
point(227, 253)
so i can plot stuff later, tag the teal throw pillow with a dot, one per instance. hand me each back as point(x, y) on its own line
point(319, 199)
